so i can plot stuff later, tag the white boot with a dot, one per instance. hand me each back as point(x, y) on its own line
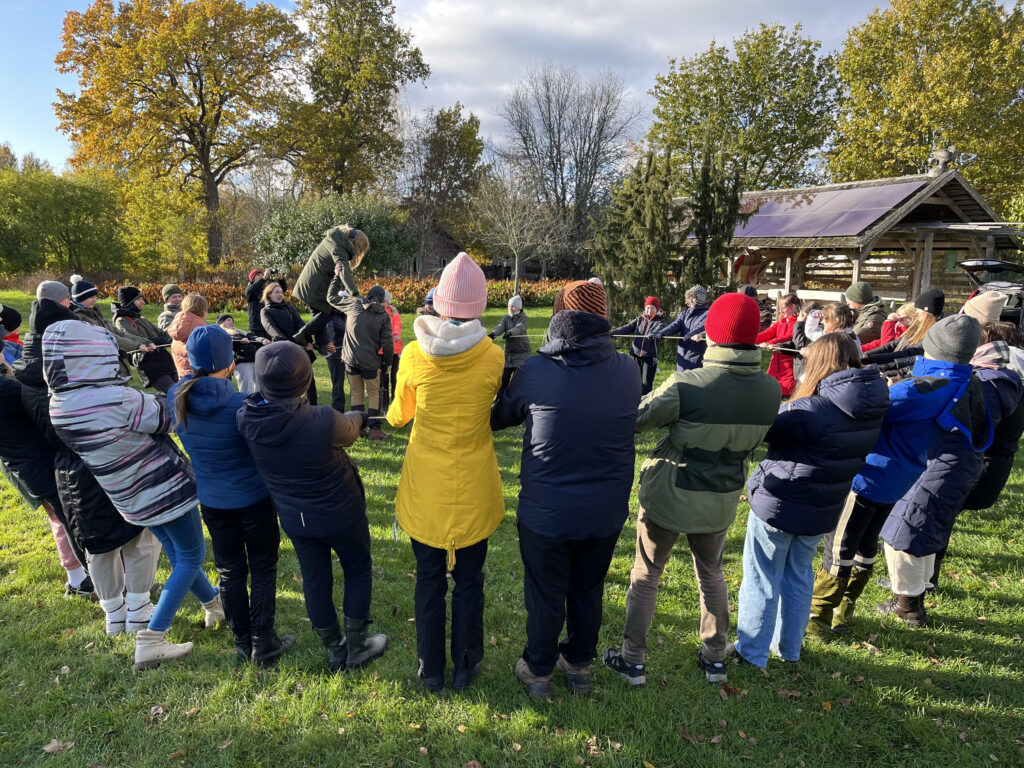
point(116, 620)
point(152, 648)
point(139, 619)
point(214, 612)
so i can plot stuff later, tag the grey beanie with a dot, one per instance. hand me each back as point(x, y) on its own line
point(953, 339)
point(283, 371)
point(516, 301)
point(861, 293)
point(52, 290)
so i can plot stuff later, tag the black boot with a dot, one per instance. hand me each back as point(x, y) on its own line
point(243, 649)
point(334, 642)
point(362, 646)
point(266, 650)
point(937, 570)
point(906, 608)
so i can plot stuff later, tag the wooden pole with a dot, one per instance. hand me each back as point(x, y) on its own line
point(926, 262)
point(789, 274)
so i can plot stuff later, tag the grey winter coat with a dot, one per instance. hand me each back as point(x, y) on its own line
point(514, 329)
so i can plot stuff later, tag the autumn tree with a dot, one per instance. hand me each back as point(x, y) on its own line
point(922, 75)
point(185, 88)
point(773, 94)
point(346, 135)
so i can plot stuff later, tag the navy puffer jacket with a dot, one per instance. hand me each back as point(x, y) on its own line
point(815, 448)
point(579, 400)
point(689, 323)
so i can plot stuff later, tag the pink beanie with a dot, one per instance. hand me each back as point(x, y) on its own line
point(462, 292)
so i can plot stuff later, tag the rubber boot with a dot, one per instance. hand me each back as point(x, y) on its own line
point(843, 620)
point(906, 608)
point(214, 612)
point(828, 592)
point(334, 642)
point(267, 650)
point(362, 646)
point(152, 648)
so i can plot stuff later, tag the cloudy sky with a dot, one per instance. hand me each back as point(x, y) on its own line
point(476, 49)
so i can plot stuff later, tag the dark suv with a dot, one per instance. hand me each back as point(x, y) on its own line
point(1002, 276)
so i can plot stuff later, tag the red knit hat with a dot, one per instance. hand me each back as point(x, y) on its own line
point(585, 296)
point(652, 301)
point(462, 290)
point(733, 319)
point(253, 273)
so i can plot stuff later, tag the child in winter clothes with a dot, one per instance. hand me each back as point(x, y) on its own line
point(579, 400)
point(689, 326)
point(449, 495)
point(156, 368)
point(513, 328)
point(192, 316)
point(236, 504)
point(254, 297)
point(244, 346)
point(122, 436)
point(781, 333)
point(818, 442)
point(428, 305)
point(173, 299)
point(645, 329)
point(921, 410)
point(282, 323)
point(300, 452)
point(390, 381)
point(691, 483)
point(367, 346)
point(834, 317)
point(10, 324)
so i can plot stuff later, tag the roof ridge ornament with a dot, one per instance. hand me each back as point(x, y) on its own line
point(940, 159)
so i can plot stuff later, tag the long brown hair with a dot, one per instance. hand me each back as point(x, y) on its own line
point(830, 354)
point(1001, 331)
point(917, 329)
point(840, 315)
point(267, 289)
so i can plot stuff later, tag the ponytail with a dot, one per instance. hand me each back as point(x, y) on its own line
point(181, 397)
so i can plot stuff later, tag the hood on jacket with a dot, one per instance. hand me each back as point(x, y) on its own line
point(860, 393)
point(965, 412)
point(578, 338)
point(445, 338)
point(45, 312)
point(271, 422)
point(1008, 394)
point(77, 354)
point(209, 395)
point(183, 325)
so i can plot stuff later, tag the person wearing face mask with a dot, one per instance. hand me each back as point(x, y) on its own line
point(513, 328)
point(645, 330)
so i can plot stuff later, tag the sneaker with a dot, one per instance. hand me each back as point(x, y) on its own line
point(731, 652)
point(634, 674)
point(576, 677)
point(85, 589)
point(714, 671)
point(434, 683)
point(116, 621)
point(139, 619)
point(539, 687)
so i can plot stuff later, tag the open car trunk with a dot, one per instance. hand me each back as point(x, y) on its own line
point(1002, 276)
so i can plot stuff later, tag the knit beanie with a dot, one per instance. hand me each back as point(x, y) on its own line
point(733, 318)
point(377, 294)
point(387, 296)
point(81, 289)
point(953, 339)
point(699, 294)
point(10, 319)
point(169, 290)
point(584, 296)
point(52, 290)
point(860, 293)
point(283, 371)
point(931, 302)
point(209, 348)
point(126, 294)
point(515, 301)
point(748, 290)
point(985, 307)
point(429, 301)
point(223, 317)
point(652, 301)
point(253, 274)
point(462, 290)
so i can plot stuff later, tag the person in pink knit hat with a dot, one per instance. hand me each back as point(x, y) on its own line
point(449, 496)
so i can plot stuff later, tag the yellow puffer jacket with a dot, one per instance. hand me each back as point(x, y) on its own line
point(449, 495)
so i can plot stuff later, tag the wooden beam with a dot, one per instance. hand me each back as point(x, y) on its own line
point(990, 246)
point(926, 263)
point(789, 274)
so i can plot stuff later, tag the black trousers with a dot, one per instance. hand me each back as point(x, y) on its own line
point(245, 548)
point(564, 584)
point(352, 546)
point(648, 367)
point(467, 644)
point(336, 367)
point(506, 376)
point(854, 542)
point(388, 384)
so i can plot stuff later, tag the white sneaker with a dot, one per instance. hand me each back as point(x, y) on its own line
point(116, 621)
point(139, 619)
point(214, 612)
point(152, 648)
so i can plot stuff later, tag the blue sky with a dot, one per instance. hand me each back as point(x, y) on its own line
point(476, 48)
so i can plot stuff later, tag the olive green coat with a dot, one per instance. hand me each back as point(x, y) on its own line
point(315, 278)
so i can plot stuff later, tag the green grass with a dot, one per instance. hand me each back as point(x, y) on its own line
point(950, 694)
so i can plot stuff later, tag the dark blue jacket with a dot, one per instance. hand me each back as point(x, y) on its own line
point(299, 449)
point(22, 447)
point(1000, 455)
point(645, 331)
point(226, 474)
point(909, 428)
point(579, 400)
point(922, 521)
point(815, 447)
point(689, 353)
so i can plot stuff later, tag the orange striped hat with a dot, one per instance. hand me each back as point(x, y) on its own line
point(586, 296)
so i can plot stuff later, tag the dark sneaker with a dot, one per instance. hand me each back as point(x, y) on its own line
point(83, 590)
point(634, 674)
point(539, 687)
point(435, 683)
point(731, 652)
point(576, 677)
point(714, 671)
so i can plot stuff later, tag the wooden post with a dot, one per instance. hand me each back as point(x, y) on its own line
point(990, 246)
point(926, 262)
point(789, 274)
point(857, 259)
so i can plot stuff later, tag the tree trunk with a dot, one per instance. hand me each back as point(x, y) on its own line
point(515, 289)
point(214, 233)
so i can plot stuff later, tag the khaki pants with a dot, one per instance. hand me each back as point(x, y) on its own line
point(368, 397)
point(130, 567)
point(910, 575)
point(653, 547)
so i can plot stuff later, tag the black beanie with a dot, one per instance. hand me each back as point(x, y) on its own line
point(81, 289)
point(283, 371)
point(10, 319)
point(931, 301)
point(376, 294)
point(126, 294)
point(223, 317)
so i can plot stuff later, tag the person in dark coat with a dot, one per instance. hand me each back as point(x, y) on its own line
point(689, 326)
point(254, 297)
point(340, 252)
point(156, 368)
point(282, 322)
point(871, 312)
point(816, 446)
point(579, 400)
point(513, 328)
point(300, 452)
point(235, 503)
point(335, 363)
point(244, 346)
point(645, 331)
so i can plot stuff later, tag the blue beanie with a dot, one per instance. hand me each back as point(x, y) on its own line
point(430, 297)
point(209, 349)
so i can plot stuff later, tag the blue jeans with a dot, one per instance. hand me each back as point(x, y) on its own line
point(186, 549)
point(775, 595)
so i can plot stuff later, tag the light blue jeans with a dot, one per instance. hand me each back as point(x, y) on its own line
point(186, 549)
point(775, 595)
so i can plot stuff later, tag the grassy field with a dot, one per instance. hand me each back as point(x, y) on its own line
point(948, 695)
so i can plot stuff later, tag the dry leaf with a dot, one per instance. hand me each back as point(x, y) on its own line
point(461, 728)
point(226, 744)
point(56, 746)
point(65, 670)
point(423, 750)
point(350, 713)
point(494, 640)
point(827, 706)
point(872, 638)
point(516, 747)
point(341, 731)
point(686, 734)
point(742, 734)
point(789, 694)
point(177, 754)
point(752, 740)
point(156, 711)
point(323, 716)
point(192, 712)
point(963, 736)
point(472, 764)
point(993, 758)
point(88, 645)
point(617, 746)
point(872, 648)
point(414, 726)
point(717, 738)
point(664, 680)
point(858, 679)
point(646, 764)
point(846, 702)
point(836, 674)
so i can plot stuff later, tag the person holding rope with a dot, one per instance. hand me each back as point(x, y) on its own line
point(84, 296)
point(646, 329)
point(513, 328)
point(689, 326)
point(156, 367)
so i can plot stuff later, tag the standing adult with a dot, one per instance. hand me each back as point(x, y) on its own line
point(282, 322)
point(513, 328)
point(338, 254)
point(871, 313)
point(156, 368)
point(254, 297)
point(645, 330)
point(689, 327)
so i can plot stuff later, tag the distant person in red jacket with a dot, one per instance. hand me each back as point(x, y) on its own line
point(781, 333)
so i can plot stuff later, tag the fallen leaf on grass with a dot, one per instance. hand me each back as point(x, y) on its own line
point(157, 710)
point(742, 735)
point(722, 723)
point(461, 728)
point(414, 726)
point(724, 694)
point(686, 734)
point(963, 736)
point(226, 744)
point(56, 746)
point(192, 712)
point(65, 670)
point(647, 765)
point(617, 746)
point(494, 640)
point(516, 747)
point(858, 679)
point(827, 706)
point(88, 645)
point(872, 648)
point(177, 754)
point(836, 674)
point(472, 764)
point(982, 621)
point(846, 702)
point(664, 680)
point(423, 750)
point(789, 694)
point(350, 713)
point(341, 731)
point(872, 638)
point(717, 738)
point(752, 740)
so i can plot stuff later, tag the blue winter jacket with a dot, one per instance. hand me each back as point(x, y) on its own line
point(815, 447)
point(909, 428)
point(645, 331)
point(226, 473)
point(922, 521)
point(690, 323)
point(579, 400)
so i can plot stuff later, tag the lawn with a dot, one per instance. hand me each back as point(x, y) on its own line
point(890, 695)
